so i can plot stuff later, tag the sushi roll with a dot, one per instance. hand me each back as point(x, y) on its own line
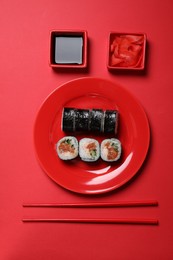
point(90, 120)
point(110, 121)
point(68, 119)
point(67, 148)
point(89, 149)
point(82, 120)
point(110, 150)
point(96, 120)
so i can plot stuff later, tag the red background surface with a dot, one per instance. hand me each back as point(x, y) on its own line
point(25, 81)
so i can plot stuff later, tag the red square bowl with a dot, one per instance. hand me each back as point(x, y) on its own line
point(68, 49)
point(126, 51)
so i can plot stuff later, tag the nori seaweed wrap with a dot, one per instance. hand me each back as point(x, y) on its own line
point(90, 120)
point(68, 119)
point(96, 120)
point(82, 120)
point(110, 121)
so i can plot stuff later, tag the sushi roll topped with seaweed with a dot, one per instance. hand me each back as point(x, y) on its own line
point(110, 150)
point(67, 148)
point(90, 120)
point(110, 121)
point(96, 120)
point(89, 149)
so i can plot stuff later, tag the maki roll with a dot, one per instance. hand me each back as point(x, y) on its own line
point(96, 120)
point(68, 119)
point(90, 120)
point(67, 148)
point(89, 149)
point(82, 120)
point(110, 150)
point(110, 121)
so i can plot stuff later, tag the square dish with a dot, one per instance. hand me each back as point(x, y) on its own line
point(126, 51)
point(68, 49)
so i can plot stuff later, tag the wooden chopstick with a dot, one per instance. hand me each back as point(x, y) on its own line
point(134, 221)
point(144, 203)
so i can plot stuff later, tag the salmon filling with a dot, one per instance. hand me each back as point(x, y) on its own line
point(112, 150)
point(66, 146)
point(92, 149)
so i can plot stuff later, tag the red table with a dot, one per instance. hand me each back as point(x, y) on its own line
point(26, 79)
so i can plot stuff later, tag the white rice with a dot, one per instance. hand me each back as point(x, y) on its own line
point(105, 151)
point(67, 155)
point(87, 154)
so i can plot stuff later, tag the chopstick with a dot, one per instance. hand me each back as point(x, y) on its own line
point(134, 221)
point(143, 203)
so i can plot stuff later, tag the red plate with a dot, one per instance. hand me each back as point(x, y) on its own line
point(133, 132)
